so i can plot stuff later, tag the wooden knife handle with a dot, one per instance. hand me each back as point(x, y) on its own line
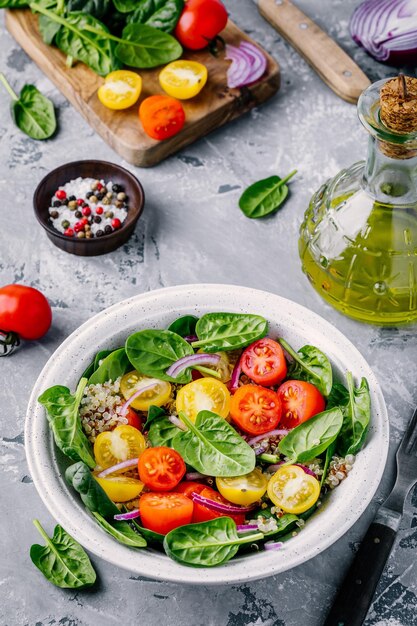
point(330, 62)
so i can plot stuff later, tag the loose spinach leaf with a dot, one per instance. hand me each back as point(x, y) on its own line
point(357, 415)
point(211, 446)
point(162, 432)
point(122, 531)
point(228, 331)
point(265, 196)
point(310, 364)
point(154, 413)
point(114, 365)
point(161, 14)
point(144, 46)
point(62, 561)
point(62, 413)
point(152, 352)
point(48, 29)
point(206, 544)
point(94, 497)
point(329, 455)
point(339, 396)
point(184, 326)
point(311, 438)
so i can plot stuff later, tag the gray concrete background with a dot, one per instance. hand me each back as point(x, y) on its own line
point(192, 231)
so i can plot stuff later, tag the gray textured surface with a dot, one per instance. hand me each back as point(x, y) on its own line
point(192, 231)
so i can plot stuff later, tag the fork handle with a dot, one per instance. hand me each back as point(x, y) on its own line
point(355, 595)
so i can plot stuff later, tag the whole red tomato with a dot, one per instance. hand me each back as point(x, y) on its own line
point(200, 22)
point(24, 311)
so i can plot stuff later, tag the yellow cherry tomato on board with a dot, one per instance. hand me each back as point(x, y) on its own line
point(120, 488)
point(114, 446)
point(204, 394)
point(121, 89)
point(158, 395)
point(293, 490)
point(245, 489)
point(183, 79)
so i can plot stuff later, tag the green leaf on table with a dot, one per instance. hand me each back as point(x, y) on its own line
point(228, 331)
point(265, 196)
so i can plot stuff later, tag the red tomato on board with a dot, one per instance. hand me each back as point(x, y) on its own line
point(161, 116)
point(200, 22)
point(300, 401)
point(264, 362)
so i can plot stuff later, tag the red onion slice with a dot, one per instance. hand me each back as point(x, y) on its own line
point(119, 466)
point(248, 64)
point(127, 516)
point(307, 470)
point(272, 433)
point(219, 506)
point(273, 545)
point(245, 528)
point(191, 361)
point(234, 381)
point(177, 422)
point(137, 393)
point(195, 476)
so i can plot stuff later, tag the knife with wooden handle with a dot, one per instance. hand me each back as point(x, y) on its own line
point(330, 62)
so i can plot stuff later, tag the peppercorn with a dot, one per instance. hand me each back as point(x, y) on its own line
point(65, 223)
point(118, 204)
point(72, 205)
point(116, 223)
point(56, 203)
point(109, 195)
point(109, 214)
point(93, 199)
point(99, 233)
point(69, 232)
point(108, 229)
point(100, 195)
point(87, 227)
point(81, 234)
point(86, 210)
point(94, 185)
point(54, 214)
point(78, 214)
point(99, 210)
point(71, 198)
point(64, 201)
point(121, 195)
point(60, 194)
point(106, 200)
point(89, 194)
point(80, 202)
point(97, 219)
point(116, 188)
point(89, 235)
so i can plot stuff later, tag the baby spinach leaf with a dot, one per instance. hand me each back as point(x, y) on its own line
point(125, 6)
point(154, 413)
point(161, 14)
point(184, 326)
point(150, 535)
point(265, 196)
point(311, 438)
point(122, 531)
point(96, 8)
point(94, 497)
point(152, 352)
point(13, 4)
point(112, 366)
point(329, 455)
point(228, 331)
point(62, 413)
point(62, 561)
point(162, 432)
point(206, 544)
point(48, 29)
point(356, 418)
point(310, 364)
point(213, 447)
point(284, 523)
point(339, 396)
point(100, 356)
point(144, 46)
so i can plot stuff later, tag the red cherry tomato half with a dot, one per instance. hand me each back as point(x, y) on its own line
point(25, 311)
point(300, 401)
point(189, 487)
point(204, 514)
point(133, 419)
point(264, 362)
point(161, 468)
point(200, 22)
point(161, 116)
point(162, 512)
point(255, 410)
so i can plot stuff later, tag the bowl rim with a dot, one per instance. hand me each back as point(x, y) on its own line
point(139, 208)
point(41, 456)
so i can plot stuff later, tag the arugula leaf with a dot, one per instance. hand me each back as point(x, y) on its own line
point(265, 196)
point(121, 531)
point(228, 331)
point(312, 365)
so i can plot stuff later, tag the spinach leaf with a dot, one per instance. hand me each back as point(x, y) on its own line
point(211, 446)
point(122, 531)
point(310, 364)
point(48, 29)
point(184, 326)
point(150, 535)
point(100, 356)
point(162, 432)
point(161, 14)
point(206, 544)
point(125, 6)
point(62, 561)
point(329, 455)
point(152, 352)
point(228, 331)
point(13, 4)
point(62, 413)
point(265, 196)
point(94, 497)
point(96, 8)
point(154, 413)
point(311, 438)
point(32, 112)
point(357, 415)
point(144, 46)
point(114, 365)
point(284, 523)
point(339, 396)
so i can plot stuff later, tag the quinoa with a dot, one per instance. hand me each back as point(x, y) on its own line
point(339, 468)
point(100, 408)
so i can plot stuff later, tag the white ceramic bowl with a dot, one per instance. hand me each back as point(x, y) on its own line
point(156, 310)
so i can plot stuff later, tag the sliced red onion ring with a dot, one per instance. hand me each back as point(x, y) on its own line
point(272, 433)
point(273, 545)
point(137, 393)
point(245, 528)
point(177, 422)
point(195, 476)
point(119, 466)
point(191, 361)
point(127, 516)
point(234, 381)
point(248, 64)
point(191, 338)
point(262, 448)
point(219, 506)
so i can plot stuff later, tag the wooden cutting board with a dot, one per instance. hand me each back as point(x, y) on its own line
point(122, 130)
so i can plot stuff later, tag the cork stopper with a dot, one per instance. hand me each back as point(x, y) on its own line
point(398, 100)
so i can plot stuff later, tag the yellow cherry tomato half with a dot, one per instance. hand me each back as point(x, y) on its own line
point(224, 367)
point(120, 488)
point(204, 394)
point(183, 79)
point(121, 89)
point(158, 395)
point(293, 490)
point(114, 446)
point(245, 489)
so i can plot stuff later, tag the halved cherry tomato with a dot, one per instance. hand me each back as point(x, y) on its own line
point(264, 362)
point(245, 489)
point(224, 367)
point(200, 22)
point(161, 468)
point(158, 395)
point(204, 514)
point(189, 487)
point(121, 89)
point(205, 394)
point(162, 512)
point(161, 116)
point(293, 490)
point(123, 443)
point(133, 419)
point(300, 401)
point(120, 488)
point(256, 410)
point(183, 79)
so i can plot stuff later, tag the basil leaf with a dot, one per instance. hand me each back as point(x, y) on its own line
point(265, 196)
point(184, 326)
point(311, 438)
point(310, 364)
point(62, 561)
point(122, 531)
point(206, 544)
point(357, 415)
point(144, 46)
point(162, 432)
point(228, 331)
point(161, 14)
point(211, 446)
point(152, 352)
point(114, 365)
point(62, 413)
point(92, 494)
point(154, 413)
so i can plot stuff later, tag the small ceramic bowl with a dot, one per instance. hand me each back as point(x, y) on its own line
point(89, 169)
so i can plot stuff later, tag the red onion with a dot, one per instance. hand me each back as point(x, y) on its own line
point(126, 405)
point(219, 506)
point(248, 64)
point(117, 467)
point(191, 338)
point(273, 545)
point(387, 29)
point(234, 381)
point(195, 476)
point(177, 422)
point(306, 469)
point(262, 448)
point(126, 516)
point(245, 528)
point(272, 433)
point(191, 361)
